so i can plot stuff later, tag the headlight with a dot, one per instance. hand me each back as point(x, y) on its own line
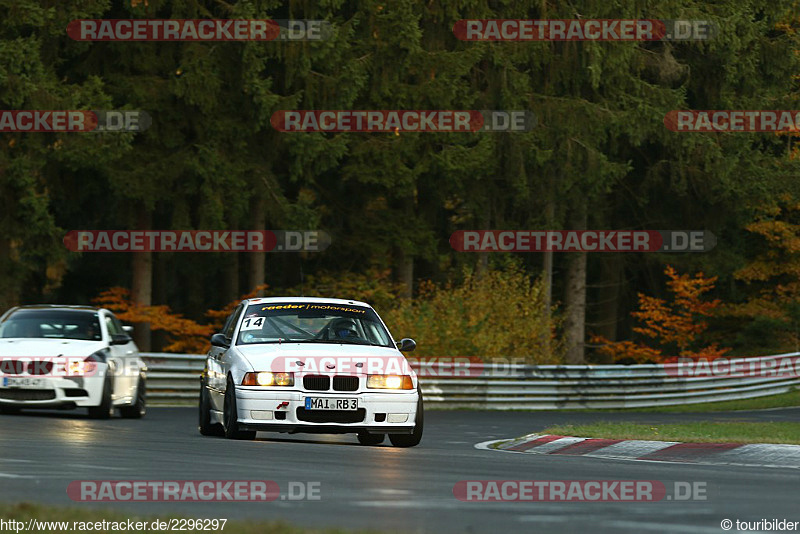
point(265, 378)
point(389, 382)
point(86, 367)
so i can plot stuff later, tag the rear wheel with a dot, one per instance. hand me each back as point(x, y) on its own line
point(206, 427)
point(139, 407)
point(365, 438)
point(106, 408)
point(232, 430)
point(413, 439)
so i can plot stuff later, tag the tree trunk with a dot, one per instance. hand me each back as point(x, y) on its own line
point(575, 298)
point(548, 282)
point(406, 274)
point(548, 261)
point(161, 284)
point(142, 284)
point(606, 319)
point(483, 256)
point(9, 294)
point(257, 272)
point(230, 279)
point(404, 260)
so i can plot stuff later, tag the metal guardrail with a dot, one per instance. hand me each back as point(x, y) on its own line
point(173, 379)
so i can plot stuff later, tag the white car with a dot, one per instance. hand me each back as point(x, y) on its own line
point(68, 357)
point(317, 365)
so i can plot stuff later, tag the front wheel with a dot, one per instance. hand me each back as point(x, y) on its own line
point(413, 439)
point(106, 408)
point(232, 430)
point(139, 407)
point(206, 427)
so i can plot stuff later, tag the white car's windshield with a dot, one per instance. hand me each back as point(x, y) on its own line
point(312, 323)
point(51, 324)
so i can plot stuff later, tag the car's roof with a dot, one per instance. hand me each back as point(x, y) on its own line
point(65, 307)
point(319, 300)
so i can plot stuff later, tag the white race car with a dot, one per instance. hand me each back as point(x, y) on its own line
point(68, 357)
point(297, 364)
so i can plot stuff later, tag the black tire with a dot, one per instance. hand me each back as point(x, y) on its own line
point(365, 438)
point(205, 426)
point(139, 407)
point(411, 440)
point(232, 430)
point(106, 408)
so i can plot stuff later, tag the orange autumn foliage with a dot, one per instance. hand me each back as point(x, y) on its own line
point(184, 335)
point(676, 325)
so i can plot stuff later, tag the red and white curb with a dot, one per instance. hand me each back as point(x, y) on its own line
point(752, 455)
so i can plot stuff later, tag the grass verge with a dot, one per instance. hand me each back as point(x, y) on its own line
point(782, 400)
point(727, 432)
point(25, 511)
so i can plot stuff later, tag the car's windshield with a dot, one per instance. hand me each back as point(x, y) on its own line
point(310, 322)
point(56, 324)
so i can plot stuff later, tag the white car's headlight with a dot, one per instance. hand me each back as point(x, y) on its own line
point(85, 367)
point(389, 382)
point(265, 378)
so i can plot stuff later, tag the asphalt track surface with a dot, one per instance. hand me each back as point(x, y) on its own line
point(383, 488)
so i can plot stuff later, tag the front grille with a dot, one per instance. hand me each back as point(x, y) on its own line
point(331, 416)
point(317, 382)
point(40, 367)
point(27, 394)
point(12, 367)
point(345, 383)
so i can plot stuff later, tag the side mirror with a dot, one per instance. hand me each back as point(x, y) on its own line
point(219, 340)
point(406, 344)
point(128, 329)
point(120, 339)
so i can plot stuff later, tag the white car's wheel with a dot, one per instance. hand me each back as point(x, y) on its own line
point(206, 427)
point(105, 410)
point(139, 407)
point(232, 430)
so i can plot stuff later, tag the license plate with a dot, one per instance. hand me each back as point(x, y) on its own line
point(23, 382)
point(325, 403)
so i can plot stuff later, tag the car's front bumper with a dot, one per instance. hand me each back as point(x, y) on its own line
point(54, 392)
point(383, 413)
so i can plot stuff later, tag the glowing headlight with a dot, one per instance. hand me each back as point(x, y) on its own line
point(389, 382)
point(76, 368)
point(265, 378)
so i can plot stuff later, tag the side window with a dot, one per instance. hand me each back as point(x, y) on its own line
point(230, 326)
point(118, 324)
point(112, 326)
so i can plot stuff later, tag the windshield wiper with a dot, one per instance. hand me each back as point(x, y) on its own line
point(342, 341)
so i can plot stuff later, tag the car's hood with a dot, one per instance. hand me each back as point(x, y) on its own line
point(325, 358)
point(48, 348)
